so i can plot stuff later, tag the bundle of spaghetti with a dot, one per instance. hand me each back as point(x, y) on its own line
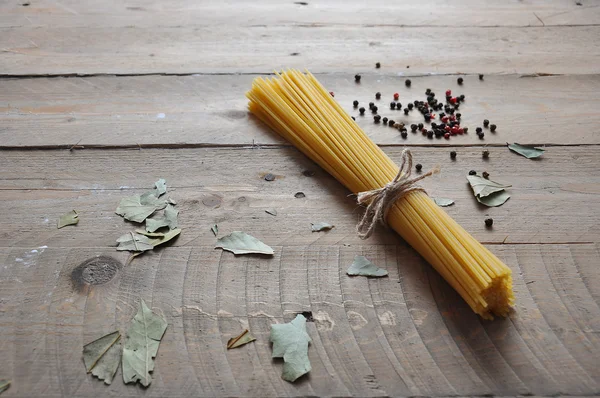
point(300, 109)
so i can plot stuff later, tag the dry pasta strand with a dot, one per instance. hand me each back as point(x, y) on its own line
point(302, 111)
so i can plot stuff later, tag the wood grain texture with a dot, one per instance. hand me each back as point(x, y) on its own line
point(211, 110)
point(407, 334)
point(208, 191)
point(224, 14)
point(260, 49)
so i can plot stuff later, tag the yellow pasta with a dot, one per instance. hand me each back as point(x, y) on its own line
point(302, 111)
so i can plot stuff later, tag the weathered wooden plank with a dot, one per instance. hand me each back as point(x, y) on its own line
point(335, 48)
point(527, 354)
point(224, 14)
point(197, 110)
point(548, 204)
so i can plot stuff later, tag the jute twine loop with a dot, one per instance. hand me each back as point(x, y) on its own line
point(381, 200)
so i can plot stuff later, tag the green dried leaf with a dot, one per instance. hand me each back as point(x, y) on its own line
point(215, 229)
point(167, 237)
point(94, 351)
point(4, 385)
point(134, 242)
point(169, 219)
point(495, 199)
point(71, 218)
point(321, 226)
point(138, 207)
point(272, 212)
point(107, 366)
point(150, 234)
point(362, 266)
point(161, 187)
point(443, 202)
point(528, 152)
point(244, 338)
point(172, 201)
point(241, 243)
point(140, 349)
point(290, 342)
point(483, 187)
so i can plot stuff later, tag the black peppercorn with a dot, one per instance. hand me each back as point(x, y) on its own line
point(433, 125)
point(406, 111)
point(465, 130)
point(410, 105)
point(485, 174)
point(428, 91)
point(480, 77)
point(489, 222)
point(492, 127)
point(453, 155)
point(430, 134)
point(459, 80)
point(462, 97)
point(378, 65)
point(413, 127)
point(478, 130)
point(385, 119)
point(458, 115)
point(485, 154)
point(418, 166)
point(480, 135)
point(361, 110)
point(357, 78)
point(407, 82)
point(472, 172)
point(376, 118)
point(355, 103)
point(404, 134)
point(416, 103)
point(374, 109)
point(399, 106)
point(392, 105)
point(378, 95)
point(420, 125)
point(371, 105)
point(486, 123)
point(427, 117)
point(391, 123)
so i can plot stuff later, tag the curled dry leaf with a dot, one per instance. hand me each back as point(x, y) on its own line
point(71, 218)
point(168, 219)
point(362, 266)
point(139, 207)
point(528, 152)
point(488, 192)
point(102, 356)
point(321, 226)
point(241, 243)
point(443, 202)
point(134, 242)
point(290, 342)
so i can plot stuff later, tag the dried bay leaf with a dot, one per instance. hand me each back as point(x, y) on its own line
point(92, 352)
point(160, 187)
point(169, 219)
point(167, 237)
point(321, 226)
point(244, 338)
point(528, 152)
point(241, 243)
point(362, 266)
point(143, 339)
point(4, 385)
point(443, 202)
point(134, 242)
point(71, 218)
point(139, 207)
point(150, 234)
point(484, 187)
point(107, 366)
point(495, 199)
point(290, 342)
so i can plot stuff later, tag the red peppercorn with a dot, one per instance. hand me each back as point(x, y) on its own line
point(453, 100)
point(432, 115)
point(447, 136)
point(448, 93)
point(447, 128)
point(454, 131)
point(453, 118)
point(445, 119)
point(396, 96)
point(332, 94)
point(461, 131)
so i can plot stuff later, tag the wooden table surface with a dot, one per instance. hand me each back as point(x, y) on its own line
point(99, 99)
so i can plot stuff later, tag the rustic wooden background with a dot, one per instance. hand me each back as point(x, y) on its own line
point(98, 99)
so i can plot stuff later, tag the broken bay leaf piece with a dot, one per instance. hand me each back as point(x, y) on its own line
point(107, 366)
point(215, 229)
point(528, 152)
point(168, 236)
point(241, 243)
point(169, 219)
point(321, 226)
point(4, 385)
point(141, 346)
point(134, 242)
point(244, 338)
point(139, 207)
point(272, 212)
point(362, 266)
point(290, 342)
point(92, 352)
point(71, 218)
point(160, 187)
point(150, 234)
point(484, 187)
point(443, 202)
point(495, 199)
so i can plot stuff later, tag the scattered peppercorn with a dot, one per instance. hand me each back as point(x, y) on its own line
point(492, 127)
point(404, 134)
point(378, 65)
point(269, 177)
point(480, 135)
point(428, 91)
point(391, 123)
point(371, 105)
point(478, 130)
point(396, 96)
point(385, 120)
point(392, 105)
point(407, 82)
point(447, 136)
point(430, 134)
point(489, 222)
point(399, 106)
point(485, 174)
point(448, 93)
point(355, 103)
point(459, 80)
point(418, 166)
point(485, 154)
point(480, 77)
point(376, 118)
point(486, 123)
point(410, 106)
point(462, 97)
point(377, 95)
point(374, 109)
point(357, 78)
point(427, 117)
point(406, 111)
point(420, 125)
point(458, 115)
point(413, 127)
point(472, 172)
point(465, 130)
point(453, 155)
point(361, 110)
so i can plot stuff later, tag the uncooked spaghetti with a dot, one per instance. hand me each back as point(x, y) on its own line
point(302, 111)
